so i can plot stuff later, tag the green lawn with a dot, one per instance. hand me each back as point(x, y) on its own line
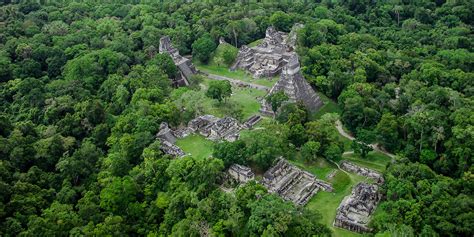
point(196, 145)
point(246, 99)
point(255, 43)
point(237, 74)
point(374, 160)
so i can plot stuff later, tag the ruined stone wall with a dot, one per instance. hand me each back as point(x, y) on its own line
point(355, 210)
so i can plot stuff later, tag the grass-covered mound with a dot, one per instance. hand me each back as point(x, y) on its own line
point(224, 55)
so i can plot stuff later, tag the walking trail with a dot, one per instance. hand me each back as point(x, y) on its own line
point(237, 82)
point(350, 137)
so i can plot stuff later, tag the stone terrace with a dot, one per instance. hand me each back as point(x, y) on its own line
point(292, 183)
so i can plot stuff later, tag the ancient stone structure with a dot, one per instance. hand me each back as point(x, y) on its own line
point(222, 40)
point(354, 211)
point(167, 140)
point(165, 133)
point(266, 59)
point(241, 173)
point(362, 171)
point(293, 37)
point(292, 183)
point(171, 149)
point(215, 128)
point(186, 68)
point(293, 84)
point(254, 119)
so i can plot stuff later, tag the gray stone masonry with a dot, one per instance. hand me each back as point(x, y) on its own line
point(292, 183)
point(241, 173)
point(184, 65)
point(354, 211)
point(266, 59)
point(293, 84)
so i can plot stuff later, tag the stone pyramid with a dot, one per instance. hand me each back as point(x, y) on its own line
point(294, 85)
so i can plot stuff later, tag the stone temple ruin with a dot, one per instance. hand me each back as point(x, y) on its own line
point(211, 127)
point(241, 173)
point(184, 65)
point(293, 84)
point(274, 56)
point(362, 171)
point(269, 57)
point(214, 128)
point(354, 211)
point(292, 183)
point(167, 140)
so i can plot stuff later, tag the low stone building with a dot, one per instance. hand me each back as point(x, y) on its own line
point(252, 121)
point(241, 173)
point(354, 211)
point(362, 171)
point(295, 86)
point(226, 128)
point(167, 140)
point(184, 65)
point(292, 183)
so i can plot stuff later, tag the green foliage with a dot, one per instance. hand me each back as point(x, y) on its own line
point(281, 21)
point(407, 185)
point(83, 90)
point(203, 48)
point(310, 150)
point(276, 100)
point(219, 90)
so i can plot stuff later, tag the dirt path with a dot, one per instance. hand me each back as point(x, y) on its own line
point(374, 146)
point(338, 167)
point(237, 82)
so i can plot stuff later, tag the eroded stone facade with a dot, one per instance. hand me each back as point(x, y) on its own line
point(295, 86)
point(167, 140)
point(241, 173)
point(184, 65)
point(354, 211)
point(267, 58)
point(292, 183)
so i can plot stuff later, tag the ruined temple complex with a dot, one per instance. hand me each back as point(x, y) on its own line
point(276, 56)
point(292, 183)
point(184, 65)
point(354, 211)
